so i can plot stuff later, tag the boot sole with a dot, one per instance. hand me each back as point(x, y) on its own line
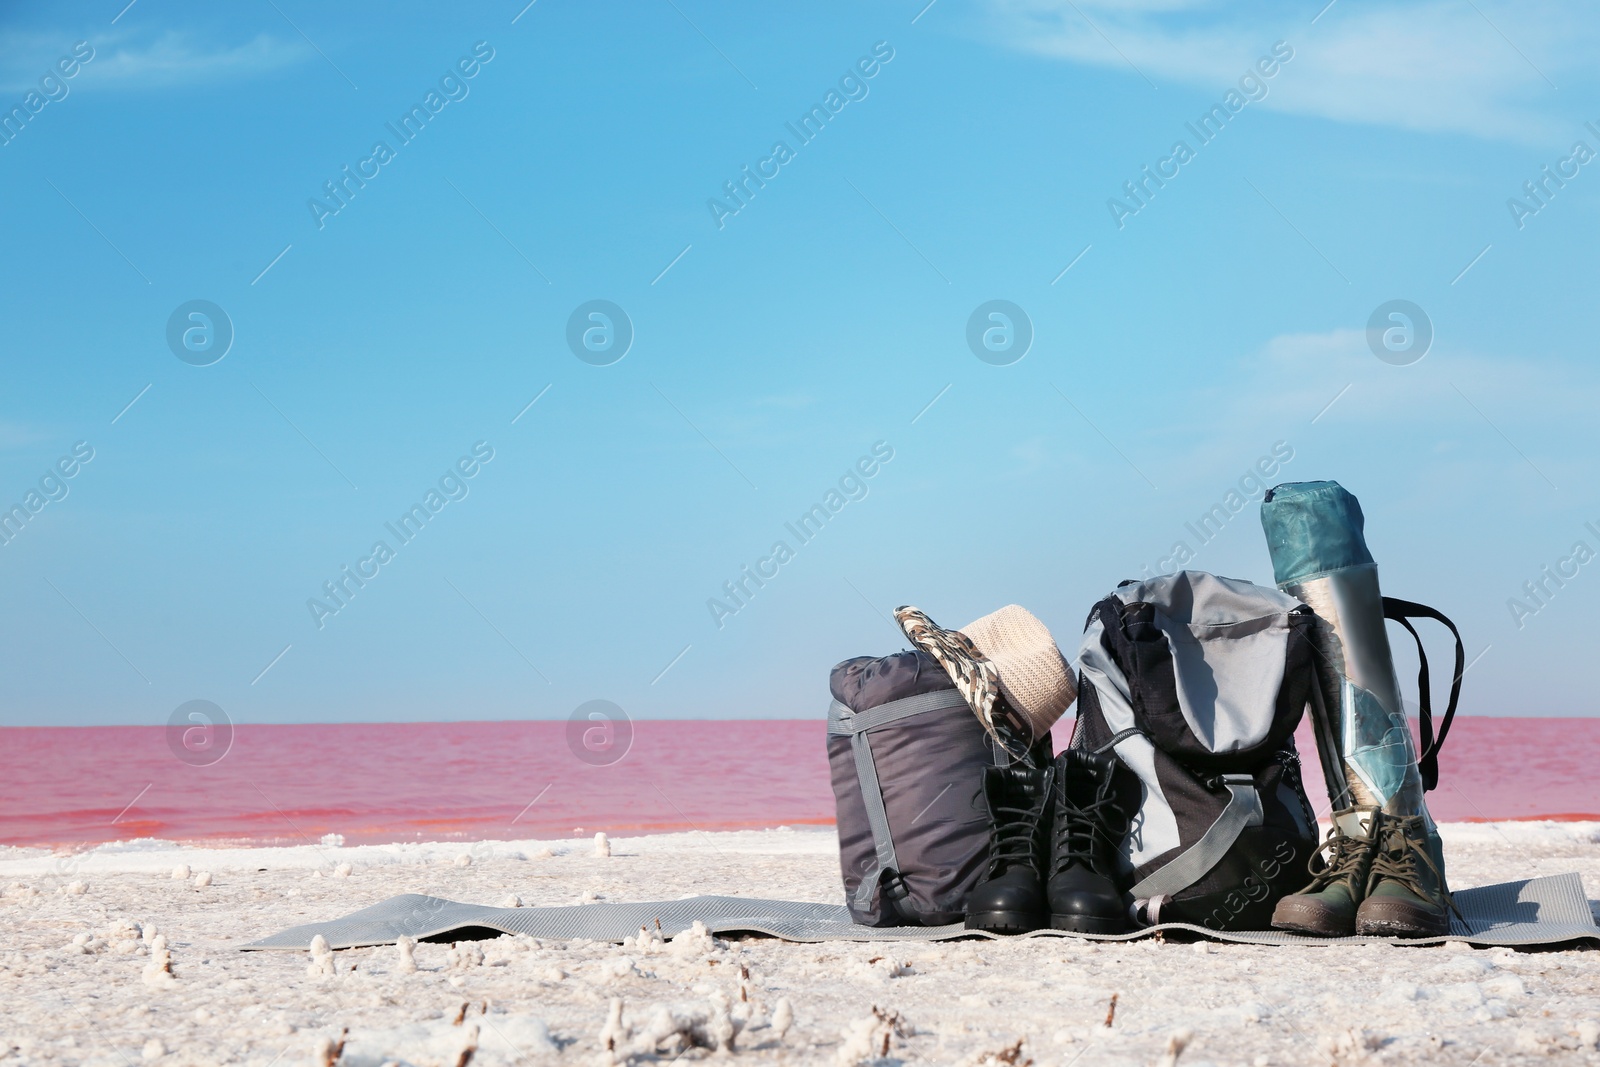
point(1382, 919)
point(1089, 924)
point(1297, 918)
point(1003, 922)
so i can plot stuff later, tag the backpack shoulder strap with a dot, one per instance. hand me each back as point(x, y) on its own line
point(1188, 867)
point(1403, 611)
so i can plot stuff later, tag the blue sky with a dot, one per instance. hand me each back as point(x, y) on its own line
point(773, 348)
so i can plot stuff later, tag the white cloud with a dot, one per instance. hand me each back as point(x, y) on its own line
point(1292, 378)
point(19, 435)
point(1458, 421)
point(170, 59)
point(175, 59)
point(1502, 416)
point(786, 401)
point(1437, 66)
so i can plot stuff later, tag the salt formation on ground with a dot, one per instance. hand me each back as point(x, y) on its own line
point(321, 964)
point(125, 962)
point(405, 949)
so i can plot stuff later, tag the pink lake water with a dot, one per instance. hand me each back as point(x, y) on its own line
point(387, 782)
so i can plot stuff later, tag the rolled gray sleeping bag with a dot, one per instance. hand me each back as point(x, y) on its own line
point(907, 757)
point(1316, 537)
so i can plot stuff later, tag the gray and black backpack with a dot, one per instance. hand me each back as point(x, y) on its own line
point(1197, 683)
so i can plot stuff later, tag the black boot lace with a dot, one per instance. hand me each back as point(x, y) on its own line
point(1396, 861)
point(1087, 834)
point(1015, 835)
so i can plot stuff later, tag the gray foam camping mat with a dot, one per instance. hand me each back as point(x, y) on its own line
point(1534, 911)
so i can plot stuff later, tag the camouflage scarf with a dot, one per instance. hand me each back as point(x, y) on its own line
point(974, 676)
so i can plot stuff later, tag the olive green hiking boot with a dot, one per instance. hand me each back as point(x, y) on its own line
point(1328, 906)
point(1406, 894)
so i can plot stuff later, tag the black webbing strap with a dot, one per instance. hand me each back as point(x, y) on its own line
point(1326, 734)
point(1402, 611)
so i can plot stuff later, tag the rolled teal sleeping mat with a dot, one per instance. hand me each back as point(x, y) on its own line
point(1315, 534)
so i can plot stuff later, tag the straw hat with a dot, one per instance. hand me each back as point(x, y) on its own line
point(1006, 666)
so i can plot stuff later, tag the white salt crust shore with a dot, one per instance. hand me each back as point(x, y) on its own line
point(109, 957)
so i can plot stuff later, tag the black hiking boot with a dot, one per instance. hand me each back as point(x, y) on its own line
point(1009, 897)
point(1327, 907)
point(1405, 897)
point(1082, 891)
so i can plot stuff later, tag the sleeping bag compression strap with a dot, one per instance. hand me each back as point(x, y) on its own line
point(842, 722)
point(1191, 865)
point(1402, 611)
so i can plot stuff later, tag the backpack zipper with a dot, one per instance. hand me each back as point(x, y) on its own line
point(1290, 761)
